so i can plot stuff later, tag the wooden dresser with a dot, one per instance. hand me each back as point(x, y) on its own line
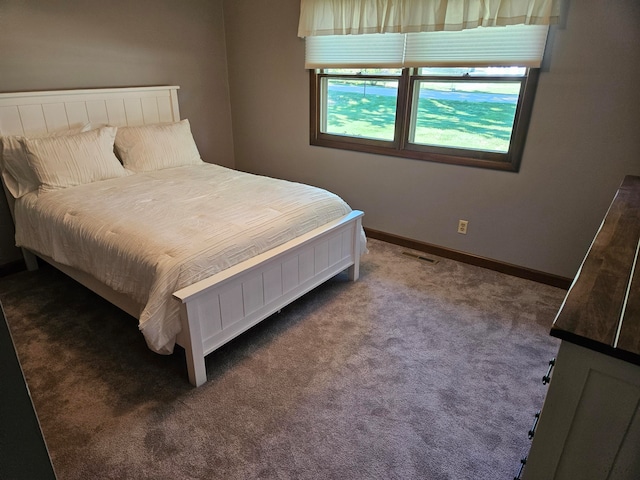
point(589, 427)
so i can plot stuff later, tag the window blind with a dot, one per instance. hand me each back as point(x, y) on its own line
point(521, 45)
point(374, 50)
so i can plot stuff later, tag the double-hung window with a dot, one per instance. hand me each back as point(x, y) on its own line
point(470, 116)
point(462, 97)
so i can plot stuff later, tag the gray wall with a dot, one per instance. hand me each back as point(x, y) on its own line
point(56, 44)
point(61, 44)
point(584, 137)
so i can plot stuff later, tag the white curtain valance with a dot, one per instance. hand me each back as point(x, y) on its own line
point(357, 17)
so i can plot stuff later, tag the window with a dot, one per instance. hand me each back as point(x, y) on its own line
point(468, 115)
point(462, 97)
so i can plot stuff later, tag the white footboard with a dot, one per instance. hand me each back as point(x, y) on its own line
point(221, 307)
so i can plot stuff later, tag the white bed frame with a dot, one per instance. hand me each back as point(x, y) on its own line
point(220, 307)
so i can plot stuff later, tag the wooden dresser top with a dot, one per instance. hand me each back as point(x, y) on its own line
point(602, 308)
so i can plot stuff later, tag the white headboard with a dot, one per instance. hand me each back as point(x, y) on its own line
point(36, 113)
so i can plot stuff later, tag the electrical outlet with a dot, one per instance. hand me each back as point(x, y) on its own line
point(462, 226)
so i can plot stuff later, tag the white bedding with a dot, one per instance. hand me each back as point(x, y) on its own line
point(150, 234)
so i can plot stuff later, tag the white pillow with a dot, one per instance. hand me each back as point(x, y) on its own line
point(16, 173)
point(158, 146)
point(60, 162)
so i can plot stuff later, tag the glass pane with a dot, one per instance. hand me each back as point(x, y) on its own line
point(474, 71)
point(468, 115)
point(363, 71)
point(360, 108)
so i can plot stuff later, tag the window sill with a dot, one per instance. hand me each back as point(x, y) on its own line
point(373, 147)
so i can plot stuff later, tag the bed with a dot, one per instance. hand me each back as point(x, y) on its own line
point(172, 240)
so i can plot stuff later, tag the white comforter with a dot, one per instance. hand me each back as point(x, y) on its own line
point(150, 234)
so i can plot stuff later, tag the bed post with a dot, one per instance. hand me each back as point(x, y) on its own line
point(30, 260)
point(192, 343)
point(354, 270)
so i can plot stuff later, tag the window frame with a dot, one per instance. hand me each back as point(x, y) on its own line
point(401, 147)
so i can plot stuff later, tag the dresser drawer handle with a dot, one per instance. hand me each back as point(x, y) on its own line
point(523, 462)
point(532, 431)
point(547, 378)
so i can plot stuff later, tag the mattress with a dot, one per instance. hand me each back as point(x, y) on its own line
point(149, 234)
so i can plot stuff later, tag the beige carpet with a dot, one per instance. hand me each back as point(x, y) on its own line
point(417, 371)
